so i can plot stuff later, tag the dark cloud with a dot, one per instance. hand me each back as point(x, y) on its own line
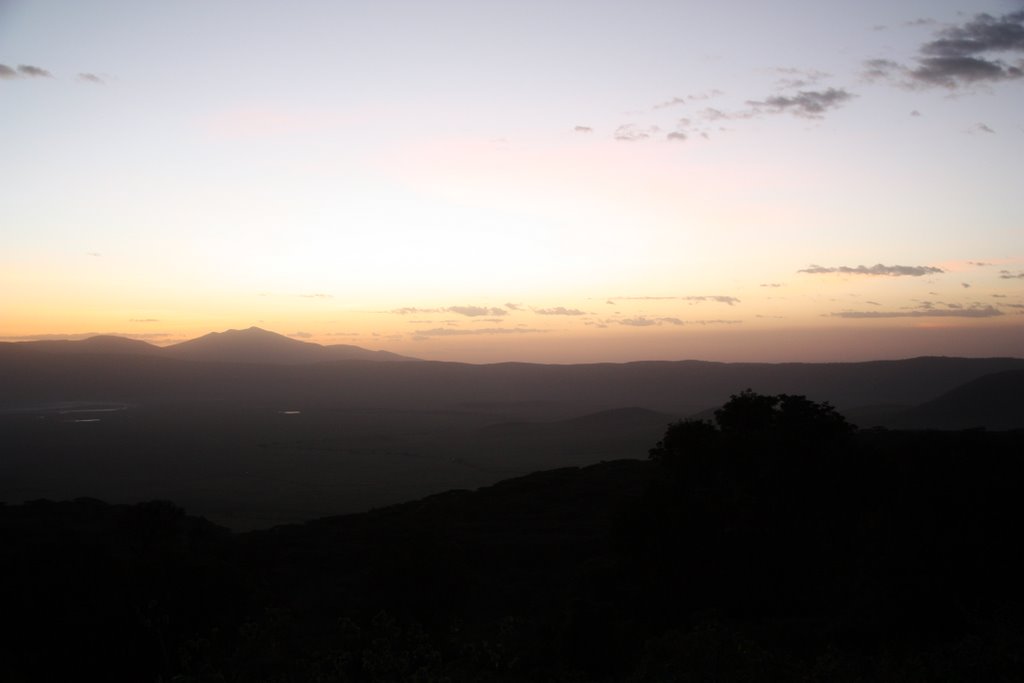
point(1007, 275)
point(559, 310)
point(583, 129)
point(877, 269)
point(972, 312)
point(90, 78)
point(965, 285)
point(631, 132)
point(961, 55)
point(33, 71)
point(475, 311)
point(807, 103)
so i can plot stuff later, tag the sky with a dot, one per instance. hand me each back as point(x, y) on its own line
point(545, 181)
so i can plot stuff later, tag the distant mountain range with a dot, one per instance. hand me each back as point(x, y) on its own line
point(253, 345)
point(242, 367)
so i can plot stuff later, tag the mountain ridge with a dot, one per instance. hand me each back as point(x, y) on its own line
point(251, 345)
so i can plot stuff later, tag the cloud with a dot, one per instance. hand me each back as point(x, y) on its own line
point(583, 129)
point(771, 284)
point(558, 310)
point(407, 310)
point(696, 97)
point(33, 71)
point(644, 321)
point(24, 70)
point(316, 295)
point(143, 320)
point(979, 263)
point(514, 307)
point(877, 269)
point(961, 56)
point(420, 335)
point(301, 335)
point(474, 311)
point(91, 78)
point(965, 285)
point(972, 312)
point(807, 103)
point(1007, 275)
point(730, 300)
point(676, 135)
point(633, 133)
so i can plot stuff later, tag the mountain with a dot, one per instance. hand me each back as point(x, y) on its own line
point(256, 345)
point(99, 344)
point(994, 401)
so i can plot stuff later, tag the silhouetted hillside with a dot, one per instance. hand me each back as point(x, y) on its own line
point(993, 401)
point(735, 555)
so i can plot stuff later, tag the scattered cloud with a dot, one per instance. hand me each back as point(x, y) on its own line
point(810, 104)
point(407, 310)
point(631, 132)
point(23, 71)
point(420, 335)
point(638, 322)
point(1007, 275)
point(696, 97)
point(676, 135)
point(771, 284)
point(877, 269)
point(143, 320)
point(583, 129)
point(975, 311)
point(979, 263)
point(793, 78)
point(93, 253)
point(301, 335)
point(475, 311)
point(960, 56)
point(559, 310)
point(91, 78)
point(981, 128)
point(513, 307)
point(730, 300)
point(965, 285)
point(33, 71)
point(316, 295)
point(644, 321)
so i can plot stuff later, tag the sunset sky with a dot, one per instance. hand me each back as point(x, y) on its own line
point(553, 181)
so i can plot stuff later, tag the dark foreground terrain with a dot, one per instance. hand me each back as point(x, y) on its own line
point(774, 543)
